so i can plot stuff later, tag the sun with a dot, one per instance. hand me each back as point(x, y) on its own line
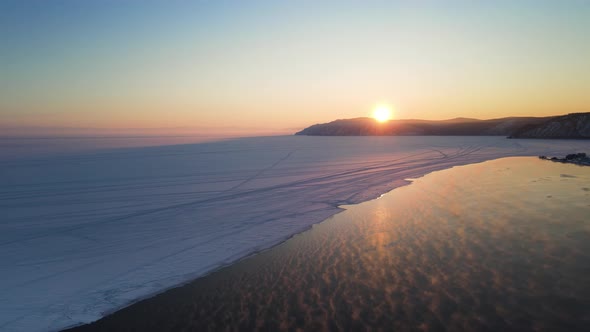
point(382, 113)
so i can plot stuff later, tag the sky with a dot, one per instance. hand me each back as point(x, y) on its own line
point(278, 66)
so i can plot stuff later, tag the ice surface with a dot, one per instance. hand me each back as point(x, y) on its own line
point(84, 234)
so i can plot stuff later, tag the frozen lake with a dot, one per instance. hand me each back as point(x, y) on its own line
point(86, 233)
point(502, 245)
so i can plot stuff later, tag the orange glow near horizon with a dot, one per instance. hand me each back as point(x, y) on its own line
point(382, 113)
point(300, 66)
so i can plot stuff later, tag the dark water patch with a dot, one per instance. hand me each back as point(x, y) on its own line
point(567, 176)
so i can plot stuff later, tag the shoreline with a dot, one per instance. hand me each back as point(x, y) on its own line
point(580, 159)
point(256, 252)
point(288, 185)
point(233, 266)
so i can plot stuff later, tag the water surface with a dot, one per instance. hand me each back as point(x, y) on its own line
point(86, 233)
point(501, 245)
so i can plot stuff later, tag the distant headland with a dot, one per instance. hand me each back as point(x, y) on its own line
point(570, 126)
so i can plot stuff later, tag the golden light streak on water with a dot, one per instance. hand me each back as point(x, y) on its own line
point(503, 245)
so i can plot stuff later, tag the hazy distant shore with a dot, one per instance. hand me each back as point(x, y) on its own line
point(570, 126)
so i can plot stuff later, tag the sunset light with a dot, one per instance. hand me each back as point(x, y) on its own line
point(382, 113)
point(144, 144)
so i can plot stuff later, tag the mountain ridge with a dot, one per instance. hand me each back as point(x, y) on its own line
point(574, 125)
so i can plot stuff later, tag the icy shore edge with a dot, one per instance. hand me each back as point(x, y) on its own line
point(115, 238)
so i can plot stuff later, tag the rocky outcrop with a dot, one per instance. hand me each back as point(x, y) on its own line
point(573, 158)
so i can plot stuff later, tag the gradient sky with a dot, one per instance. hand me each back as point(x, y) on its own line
point(265, 66)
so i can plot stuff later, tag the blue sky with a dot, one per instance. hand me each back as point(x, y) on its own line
point(278, 65)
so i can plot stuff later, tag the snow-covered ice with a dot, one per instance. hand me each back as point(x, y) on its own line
point(84, 234)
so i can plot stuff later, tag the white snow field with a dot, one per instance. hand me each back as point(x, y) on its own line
point(84, 234)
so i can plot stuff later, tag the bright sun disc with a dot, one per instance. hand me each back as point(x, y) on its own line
point(382, 113)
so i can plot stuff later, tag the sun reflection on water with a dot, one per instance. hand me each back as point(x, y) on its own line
point(479, 247)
